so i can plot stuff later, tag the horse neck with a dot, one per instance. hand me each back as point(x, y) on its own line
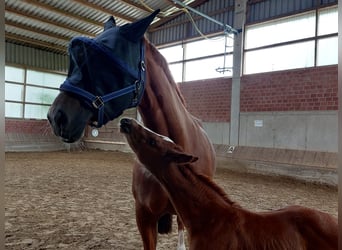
point(162, 106)
point(197, 199)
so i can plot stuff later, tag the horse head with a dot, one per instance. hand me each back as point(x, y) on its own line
point(152, 149)
point(106, 76)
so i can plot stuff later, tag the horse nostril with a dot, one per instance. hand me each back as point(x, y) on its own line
point(125, 121)
point(60, 118)
point(125, 125)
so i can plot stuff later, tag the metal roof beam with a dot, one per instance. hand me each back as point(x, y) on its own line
point(45, 20)
point(226, 27)
point(136, 6)
point(37, 30)
point(105, 10)
point(64, 13)
point(41, 44)
point(175, 14)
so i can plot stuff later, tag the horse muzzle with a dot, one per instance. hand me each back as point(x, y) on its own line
point(126, 125)
point(61, 127)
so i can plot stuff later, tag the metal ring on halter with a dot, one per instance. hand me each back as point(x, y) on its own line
point(98, 102)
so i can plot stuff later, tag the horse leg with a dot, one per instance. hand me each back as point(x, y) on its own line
point(181, 242)
point(147, 225)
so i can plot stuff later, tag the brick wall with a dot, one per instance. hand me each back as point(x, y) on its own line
point(40, 127)
point(208, 100)
point(30, 135)
point(292, 90)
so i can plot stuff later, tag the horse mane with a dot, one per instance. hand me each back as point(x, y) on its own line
point(204, 184)
point(161, 61)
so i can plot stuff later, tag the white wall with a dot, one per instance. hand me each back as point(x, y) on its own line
point(313, 131)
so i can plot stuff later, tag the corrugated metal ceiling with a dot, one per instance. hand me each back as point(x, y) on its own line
point(50, 24)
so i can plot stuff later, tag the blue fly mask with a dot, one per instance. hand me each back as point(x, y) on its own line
point(107, 73)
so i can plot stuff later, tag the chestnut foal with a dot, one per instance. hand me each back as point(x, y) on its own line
point(212, 220)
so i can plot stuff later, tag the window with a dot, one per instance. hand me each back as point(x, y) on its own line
point(207, 47)
point(327, 21)
point(14, 110)
point(327, 51)
point(280, 58)
point(36, 111)
point(40, 95)
point(203, 59)
point(279, 31)
point(14, 74)
point(327, 47)
point(206, 68)
point(172, 54)
point(29, 93)
point(292, 42)
point(177, 71)
point(44, 78)
point(14, 92)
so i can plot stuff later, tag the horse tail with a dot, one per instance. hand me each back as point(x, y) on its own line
point(165, 224)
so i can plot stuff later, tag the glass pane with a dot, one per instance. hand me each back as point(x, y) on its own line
point(36, 111)
point(40, 95)
point(299, 55)
point(13, 110)
point(172, 54)
point(208, 47)
point(327, 51)
point(44, 78)
point(14, 74)
point(176, 71)
point(14, 92)
point(283, 30)
point(328, 21)
point(206, 68)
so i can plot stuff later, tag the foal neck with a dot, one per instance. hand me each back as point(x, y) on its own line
point(197, 199)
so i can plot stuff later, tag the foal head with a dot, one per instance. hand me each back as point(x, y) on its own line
point(152, 149)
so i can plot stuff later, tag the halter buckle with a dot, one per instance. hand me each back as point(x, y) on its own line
point(98, 102)
point(137, 84)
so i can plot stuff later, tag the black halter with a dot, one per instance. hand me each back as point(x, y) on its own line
point(97, 102)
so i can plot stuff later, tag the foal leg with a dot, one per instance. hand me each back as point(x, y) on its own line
point(147, 225)
point(181, 241)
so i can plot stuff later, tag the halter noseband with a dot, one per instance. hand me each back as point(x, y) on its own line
point(98, 102)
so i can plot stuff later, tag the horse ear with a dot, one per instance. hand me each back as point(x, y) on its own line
point(109, 24)
point(136, 30)
point(180, 157)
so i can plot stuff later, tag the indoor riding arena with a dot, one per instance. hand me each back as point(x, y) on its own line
point(260, 76)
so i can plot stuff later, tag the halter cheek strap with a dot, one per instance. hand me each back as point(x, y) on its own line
point(98, 102)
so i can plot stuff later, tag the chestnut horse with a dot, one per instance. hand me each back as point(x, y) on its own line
point(117, 70)
point(212, 220)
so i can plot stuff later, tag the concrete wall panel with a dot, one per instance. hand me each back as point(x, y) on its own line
point(289, 130)
point(218, 132)
point(322, 132)
point(313, 131)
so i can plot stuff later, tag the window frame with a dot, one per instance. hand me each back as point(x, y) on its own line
point(316, 38)
point(185, 60)
point(23, 102)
